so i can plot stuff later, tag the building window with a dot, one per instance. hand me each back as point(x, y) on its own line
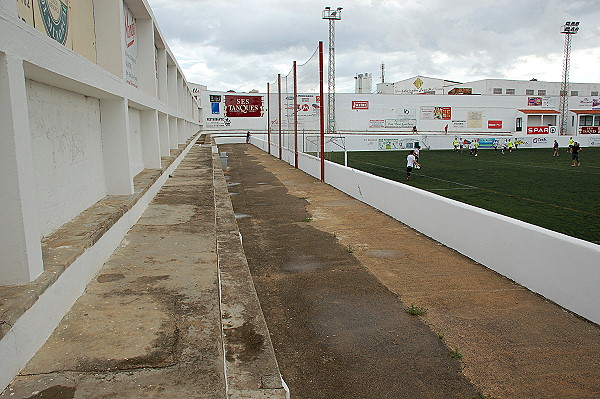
point(594, 93)
point(519, 126)
point(510, 91)
point(529, 92)
point(541, 92)
point(574, 93)
point(597, 120)
point(497, 90)
point(586, 120)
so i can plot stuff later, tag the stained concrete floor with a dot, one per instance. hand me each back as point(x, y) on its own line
point(335, 278)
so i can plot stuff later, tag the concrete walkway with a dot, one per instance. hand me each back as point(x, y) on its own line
point(336, 277)
point(173, 312)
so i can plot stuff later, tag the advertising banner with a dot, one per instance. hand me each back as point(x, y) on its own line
point(243, 106)
point(588, 130)
point(494, 124)
point(52, 17)
point(429, 113)
point(218, 122)
point(534, 101)
point(486, 142)
point(459, 124)
point(474, 119)
point(541, 129)
point(131, 52)
point(376, 123)
point(25, 11)
point(388, 144)
point(360, 105)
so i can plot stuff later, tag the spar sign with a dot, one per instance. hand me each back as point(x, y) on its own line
point(541, 130)
point(243, 106)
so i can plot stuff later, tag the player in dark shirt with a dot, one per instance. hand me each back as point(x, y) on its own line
point(575, 154)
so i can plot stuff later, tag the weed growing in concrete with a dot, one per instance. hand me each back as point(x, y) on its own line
point(349, 249)
point(416, 311)
point(455, 354)
point(482, 396)
point(307, 220)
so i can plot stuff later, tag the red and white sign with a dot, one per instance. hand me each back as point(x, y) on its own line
point(360, 105)
point(589, 130)
point(243, 106)
point(541, 129)
point(304, 107)
point(494, 124)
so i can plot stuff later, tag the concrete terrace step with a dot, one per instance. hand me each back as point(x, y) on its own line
point(149, 324)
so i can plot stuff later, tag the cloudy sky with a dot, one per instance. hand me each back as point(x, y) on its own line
point(243, 44)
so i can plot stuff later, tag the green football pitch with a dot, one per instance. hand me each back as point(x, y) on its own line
point(528, 184)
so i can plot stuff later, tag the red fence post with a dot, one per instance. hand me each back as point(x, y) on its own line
point(322, 111)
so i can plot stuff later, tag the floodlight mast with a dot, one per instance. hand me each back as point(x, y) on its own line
point(332, 16)
point(569, 28)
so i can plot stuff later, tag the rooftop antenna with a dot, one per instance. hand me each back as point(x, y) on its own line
point(382, 72)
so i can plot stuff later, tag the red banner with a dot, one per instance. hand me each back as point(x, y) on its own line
point(360, 105)
point(243, 106)
point(494, 124)
point(589, 130)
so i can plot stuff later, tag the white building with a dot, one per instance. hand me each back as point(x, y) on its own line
point(363, 83)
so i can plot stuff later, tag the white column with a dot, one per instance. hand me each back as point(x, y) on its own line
point(146, 63)
point(172, 86)
point(173, 136)
point(163, 129)
point(180, 131)
point(116, 147)
point(110, 40)
point(150, 139)
point(21, 260)
point(163, 94)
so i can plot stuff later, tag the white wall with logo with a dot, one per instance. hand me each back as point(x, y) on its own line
point(430, 114)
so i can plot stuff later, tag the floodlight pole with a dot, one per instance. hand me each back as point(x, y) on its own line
point(569, 28)
point(332, 16)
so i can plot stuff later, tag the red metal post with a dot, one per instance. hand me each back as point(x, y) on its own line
point(295, 118)
point(268, 120)
point(322, 111)
point(279, 106)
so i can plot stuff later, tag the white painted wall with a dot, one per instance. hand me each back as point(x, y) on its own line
point(540, 260)
point(67, 153)
point(135, 140)
point(399, 113)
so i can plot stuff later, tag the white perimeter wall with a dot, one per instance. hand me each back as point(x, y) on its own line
point(67, 153)
point(564, 269)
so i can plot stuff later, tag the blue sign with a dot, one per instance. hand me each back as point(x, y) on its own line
point(216, 109)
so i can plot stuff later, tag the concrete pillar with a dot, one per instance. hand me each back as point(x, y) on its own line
point(116, 147)
point(172, 86)
point(173, 136)
point(110, 40)
point(181, 131)
point(163, 129)
point(150, 139)
point(163, 94)
point(146, 52)
point(21, 260)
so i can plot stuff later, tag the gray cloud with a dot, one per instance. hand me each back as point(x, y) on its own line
point(242, 44)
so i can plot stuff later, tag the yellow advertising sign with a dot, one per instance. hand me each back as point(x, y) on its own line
point(25, 11)
point(52, 17)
